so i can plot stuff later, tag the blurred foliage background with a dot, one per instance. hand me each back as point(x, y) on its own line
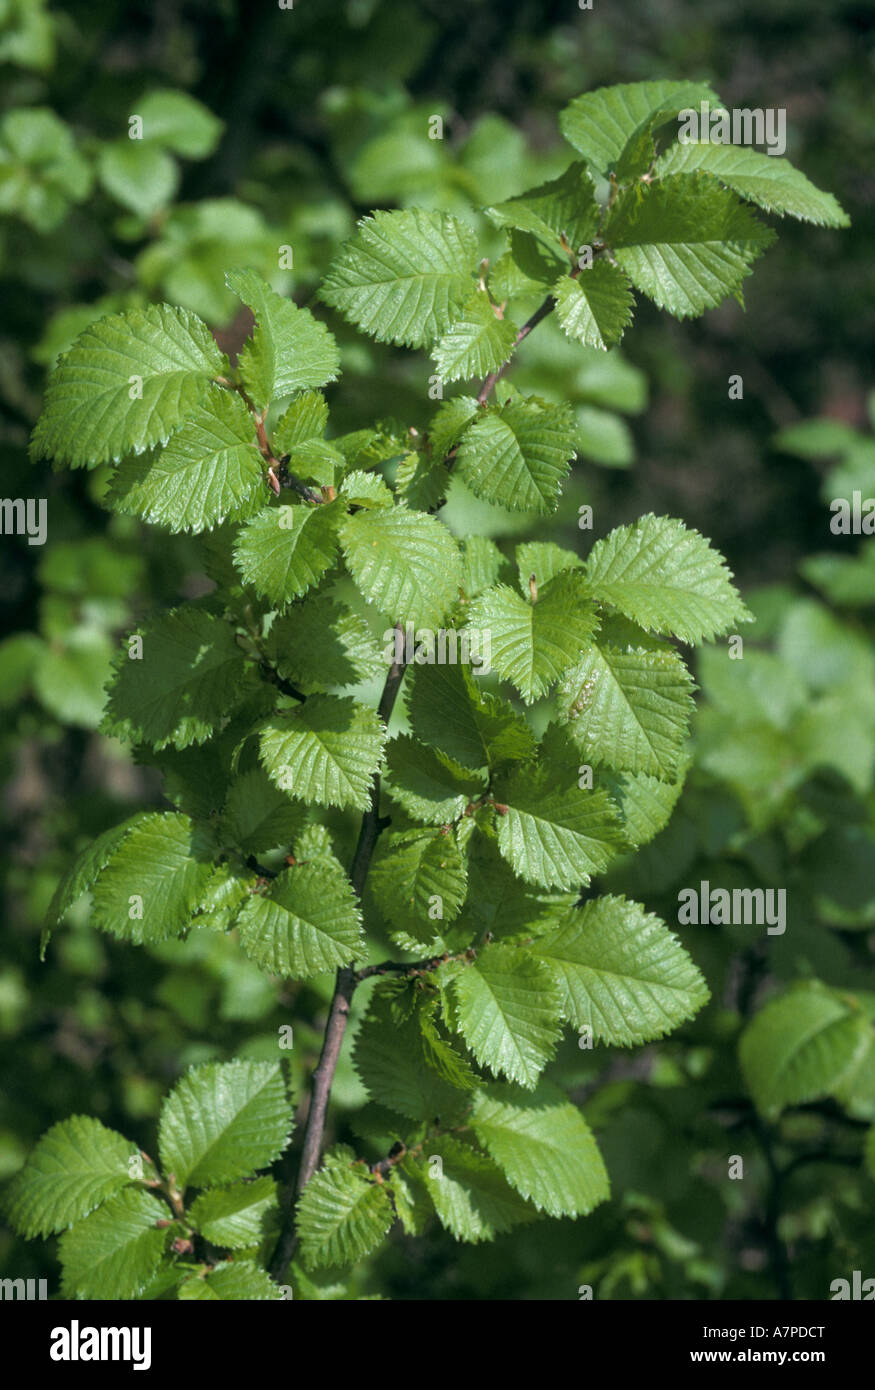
point(272, 131)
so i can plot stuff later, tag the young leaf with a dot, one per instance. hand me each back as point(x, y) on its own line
point(596, 307)
point(429, 785)
point(645, 802)
point(629, 709)
point(517, 455)
point(283, 551)
point(404, 276)
point(82, 873)
point(222, 1121)
point(324, 752)
point(235, 1280)
point(210, 471)
point(394, 1064)
point(290, 349)
point(665, 578)
point(116, 1250)
point(415, 875)
point(770, 182)
point(508, 1012)
point(800, 1046)
point(553, 833)
point(449, 423)
point(236, 1217)
point(471, 1195)
point(128, 382)
point(448, 710)
point(258, 816)
point(564, 208)
point(622, 972)
point(308, 922)
point(685, 242)
point(478, 342)
point(190, 675)
point(76, 1165)
point(152, 884)
point(544, 1147)
point(606, 125)
point(342, 1216)
point(406, 563)
point(321, 643)
point(532, 643)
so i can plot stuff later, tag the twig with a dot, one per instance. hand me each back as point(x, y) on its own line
point(277, 469)
point(369, 833)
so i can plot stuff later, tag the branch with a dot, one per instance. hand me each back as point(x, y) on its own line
point(369, 833)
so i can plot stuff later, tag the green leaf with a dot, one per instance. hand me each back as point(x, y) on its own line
point(544, 1147)
point(528, 268)
point(342, 1216)
point(556, 834)
point(478, 342)
point(140, 176)
point(645, 802)
point(517, 455)
point(448, 710)
point(223, 1121)
point(178, 121)
point(564, 208)
point(622, 972)
point(404, 276)
point(449, 423)
point(870, 1152)
point(508, 1012)
point(41, 170)
point(308, 922)
point(258, 816)
point(82, 873)
point(76, 1165)
point(283, 551)
point(366, 490)
point(236, 1217)
point(482, 564)
point(303, 421)
point(665, 578)
point(542, 561)
point(290, 349)
point(235, 1280)
point(325, 752)
point(190, 676)
point(596, 307)
point(406, 563)
point(321, 643)
point(500, 904)
point(94, 410)
point(421, 482)
point(116, 1250)
point(800, 1046)
point(606, 125)
point(152, 884)
point(394, 1062)
point(629, 709)
point(429, 785)
point(471, 1196)
point(533, 643)
point(210, 470)
point(766, 180)
point(685, 242)
point(415, 874)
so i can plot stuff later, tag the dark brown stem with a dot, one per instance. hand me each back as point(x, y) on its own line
point(344, 989)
